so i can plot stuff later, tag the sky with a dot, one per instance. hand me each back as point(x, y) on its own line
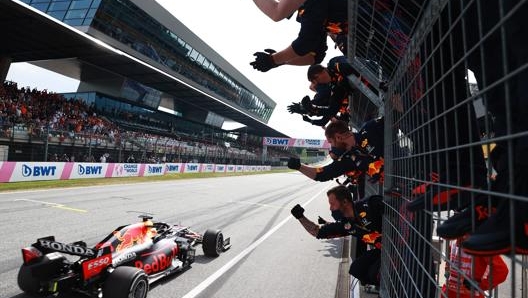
point(235, 29)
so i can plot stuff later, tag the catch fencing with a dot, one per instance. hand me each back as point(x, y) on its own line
point(452, 76)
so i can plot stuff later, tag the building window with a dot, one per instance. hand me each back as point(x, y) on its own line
point(91, 13)
point(76, 14)
point(40, 6)
point(81, 4)
point(74, 22)
point(58, 14)
point(59, 6)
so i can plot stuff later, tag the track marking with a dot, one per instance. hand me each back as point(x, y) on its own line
point(213, 277)
point(258, 204)
point(54, 205)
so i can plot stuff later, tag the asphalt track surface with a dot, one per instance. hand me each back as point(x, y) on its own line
point(272, 255)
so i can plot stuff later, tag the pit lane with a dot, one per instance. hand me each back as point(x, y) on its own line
point(272, 255)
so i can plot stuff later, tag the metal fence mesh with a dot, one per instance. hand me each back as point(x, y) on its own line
point(456, 163)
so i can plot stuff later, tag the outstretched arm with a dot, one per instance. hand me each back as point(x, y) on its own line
point(278, 10)
point(309, 172)
point(328, 172)
point(310, 226)
point(328, 230)
point(290, 57)
point(298, 212)
point(269, 58)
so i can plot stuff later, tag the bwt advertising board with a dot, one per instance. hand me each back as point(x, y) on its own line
point(280, 142)
point(192, 168)
point(220, 168)
point(173, 168)
point(300, 143)
point(154, 170)
point(34, 171)
point(88, 170)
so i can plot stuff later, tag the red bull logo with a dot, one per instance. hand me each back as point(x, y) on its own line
point(375, 167)
point(336, 27)
point(134, 234)
point(371, 238)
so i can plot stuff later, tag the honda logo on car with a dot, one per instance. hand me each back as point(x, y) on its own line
point(90, 170)
point(67, 248)
point(121, 259)
point(37, 171)
point(155, 169)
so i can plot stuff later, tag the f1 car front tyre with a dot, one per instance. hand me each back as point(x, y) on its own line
point(126, 282)
point(28, 283)
point(213, 243)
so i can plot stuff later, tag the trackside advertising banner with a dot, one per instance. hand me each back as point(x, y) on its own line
point(192, 168)
point(208, 168)
point(173, 168)
point(220, 168)
point(87, 170)
point(33, 171)
point(154, 170)
point(124, 169)
point(301, 143)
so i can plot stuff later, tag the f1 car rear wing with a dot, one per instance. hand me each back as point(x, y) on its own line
point(79, 248)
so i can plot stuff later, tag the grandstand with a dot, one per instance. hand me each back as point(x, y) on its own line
point(150, 90)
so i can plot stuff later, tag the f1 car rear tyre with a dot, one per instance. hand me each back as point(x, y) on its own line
point(213, 243)
point(126, 282)
point(28, 283)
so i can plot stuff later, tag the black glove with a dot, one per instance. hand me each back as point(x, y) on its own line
point(294, 163)
point(321, 220)
point(295, 107)
point(306, 103)
point(307, 119)
point(297, 211)
point(263, 60)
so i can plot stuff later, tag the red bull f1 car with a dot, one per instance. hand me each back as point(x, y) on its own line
point(122, 265)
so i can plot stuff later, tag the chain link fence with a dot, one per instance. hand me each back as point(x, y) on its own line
point(456, 163)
